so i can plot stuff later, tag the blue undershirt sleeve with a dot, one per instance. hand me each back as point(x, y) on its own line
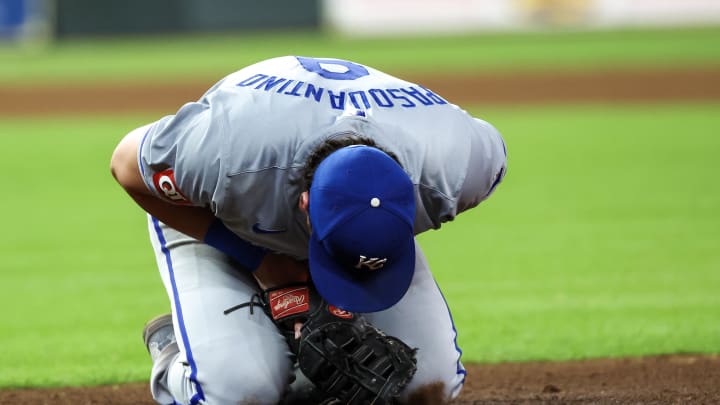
point(228, 242)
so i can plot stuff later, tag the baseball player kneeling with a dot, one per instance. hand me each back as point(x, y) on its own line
point(283, 207)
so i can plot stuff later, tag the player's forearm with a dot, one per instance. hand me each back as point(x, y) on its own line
point(192, 221)
point(202, 225)
point(278, 270)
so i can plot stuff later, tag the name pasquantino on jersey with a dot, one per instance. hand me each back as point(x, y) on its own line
point(404, 97)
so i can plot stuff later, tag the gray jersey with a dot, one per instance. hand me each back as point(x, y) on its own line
point(240, 149)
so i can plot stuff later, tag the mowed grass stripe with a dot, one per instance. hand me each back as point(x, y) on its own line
point(210, 57)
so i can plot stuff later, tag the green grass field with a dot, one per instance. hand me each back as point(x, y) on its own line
point(602, 241)
point(213, 56)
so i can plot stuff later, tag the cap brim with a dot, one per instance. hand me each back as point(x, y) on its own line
point(360, 290)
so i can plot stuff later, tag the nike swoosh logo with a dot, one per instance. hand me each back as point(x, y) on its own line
point(256, 228)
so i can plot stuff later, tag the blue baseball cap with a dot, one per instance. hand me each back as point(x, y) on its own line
point(362, 246)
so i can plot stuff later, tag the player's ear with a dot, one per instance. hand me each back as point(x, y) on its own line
point(304, 204)
point(304, 201)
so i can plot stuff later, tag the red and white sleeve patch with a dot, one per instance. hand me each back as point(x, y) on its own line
point(165, 184)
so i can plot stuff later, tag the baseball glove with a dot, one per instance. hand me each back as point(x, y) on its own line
point(346, 358)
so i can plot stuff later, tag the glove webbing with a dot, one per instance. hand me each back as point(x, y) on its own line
point(359, 362)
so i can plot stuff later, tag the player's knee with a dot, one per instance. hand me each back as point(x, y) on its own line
point(232, 379)
point(248, 391)
point(434, 393)
point(438, 380)
point(230, 385)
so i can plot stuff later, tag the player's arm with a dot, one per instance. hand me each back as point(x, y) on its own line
point(192, 221)
point(269, 269)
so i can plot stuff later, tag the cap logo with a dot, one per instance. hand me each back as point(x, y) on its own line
point(372, 263)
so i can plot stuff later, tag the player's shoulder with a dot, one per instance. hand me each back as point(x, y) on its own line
point(310, 67)
point(275, 63)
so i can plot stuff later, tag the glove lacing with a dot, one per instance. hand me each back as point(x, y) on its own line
point(255, 300)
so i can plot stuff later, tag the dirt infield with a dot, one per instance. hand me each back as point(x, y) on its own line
point(672, 379)
point(660, 380)
point(701, 84)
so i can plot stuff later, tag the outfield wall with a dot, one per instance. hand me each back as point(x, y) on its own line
point(382, 17)
point(22, 19)
point(64, 18)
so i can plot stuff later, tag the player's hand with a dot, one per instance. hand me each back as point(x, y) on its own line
point(298, 329)
point(276, 270)
point(348, 360)
point(289, 307)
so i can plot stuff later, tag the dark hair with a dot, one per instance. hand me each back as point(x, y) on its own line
point(331, 145)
